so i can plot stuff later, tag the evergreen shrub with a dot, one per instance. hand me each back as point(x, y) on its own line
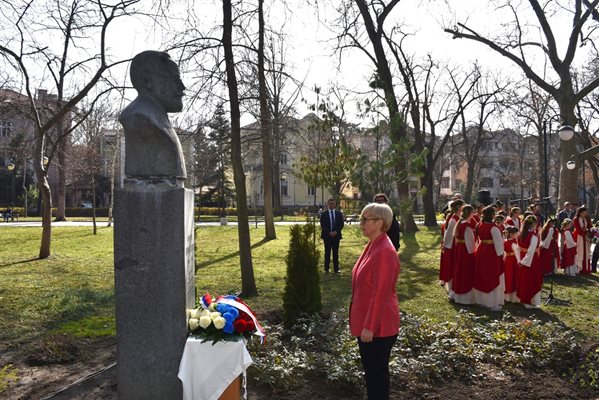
point(302, 283)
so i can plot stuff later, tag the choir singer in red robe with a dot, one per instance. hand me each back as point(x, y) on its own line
point(374, 308)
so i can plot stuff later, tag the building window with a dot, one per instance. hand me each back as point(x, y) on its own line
point(486, 164)
point(445, 182)
point(311, 191)
point(284, 159)
point(284, 188)
point(504, 182)
point(486, 182)
point(5, 128)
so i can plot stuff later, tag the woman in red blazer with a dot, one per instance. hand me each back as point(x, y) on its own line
point(374, 309)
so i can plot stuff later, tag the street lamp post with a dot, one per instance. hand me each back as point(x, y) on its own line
point(11, 168)
point(283, 179)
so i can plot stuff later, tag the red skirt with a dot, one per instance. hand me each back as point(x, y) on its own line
point(511, 274)
point(547, 260)
point(568, 257)
point(463, 267)
point(446, 265)
point(488, 268)
point(530, 281)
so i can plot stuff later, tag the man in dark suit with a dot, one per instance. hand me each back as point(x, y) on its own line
point(393, 231)
point(331, 224)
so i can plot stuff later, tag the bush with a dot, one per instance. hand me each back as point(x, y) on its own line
point(319, 350)
point(302, 284)
point(83, 212)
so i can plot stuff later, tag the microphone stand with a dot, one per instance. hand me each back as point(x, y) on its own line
point(551, 299)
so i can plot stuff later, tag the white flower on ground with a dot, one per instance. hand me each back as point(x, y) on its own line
point(205, 321)
point(204, 313)
point(195, 313)
point(219, 322)
point(215, 315)
point(194, 323)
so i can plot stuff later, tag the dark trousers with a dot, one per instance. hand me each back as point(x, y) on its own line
point(594, 258)
point(331, 244)
point(375, 361)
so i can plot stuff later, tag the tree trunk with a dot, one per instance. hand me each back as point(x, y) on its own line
point(568, 179)
point(248, 284)
point(468, 193)
point(428, 202)
point(25, 191)
point(45, 195)
point(269, 223)
point(93, 182)
point(61, 190)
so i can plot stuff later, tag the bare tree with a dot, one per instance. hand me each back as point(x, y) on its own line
point(248, 283)
point(520, 46)
point(265, 118)
point(476, 135)
point(78, 24)
point(369, 37)
point(88, 159)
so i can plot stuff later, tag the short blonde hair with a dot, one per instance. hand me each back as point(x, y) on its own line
point(382, 211)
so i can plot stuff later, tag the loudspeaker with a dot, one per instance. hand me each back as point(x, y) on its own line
point(484, 197)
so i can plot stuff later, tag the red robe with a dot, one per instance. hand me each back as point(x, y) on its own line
point(489, 265)
point(513, 222)
point(463, 278)
point(510, 264)
point(446, 261)
point(568, 253)
point(581, 227)
point(529, 278)
point(549, 255)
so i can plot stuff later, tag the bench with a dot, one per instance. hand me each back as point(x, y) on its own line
point(6, 216)
point(352, 218)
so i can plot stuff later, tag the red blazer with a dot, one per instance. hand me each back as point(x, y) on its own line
point(374, 304)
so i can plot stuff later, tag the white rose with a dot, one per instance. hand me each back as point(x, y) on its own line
point(214, 315)
point(219, 322)
point(194, 323)
point(205, 321)
point(195, 313)
point(204, 313)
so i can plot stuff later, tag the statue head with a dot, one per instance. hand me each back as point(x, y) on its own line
point(154, 74)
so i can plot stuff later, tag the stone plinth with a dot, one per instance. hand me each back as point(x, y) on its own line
point(154, 287)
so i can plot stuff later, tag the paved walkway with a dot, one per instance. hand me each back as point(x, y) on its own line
point(104, 223)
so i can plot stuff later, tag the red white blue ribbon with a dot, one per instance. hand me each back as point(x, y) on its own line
point(240, 305)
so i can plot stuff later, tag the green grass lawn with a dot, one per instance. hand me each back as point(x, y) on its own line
point(72, 291)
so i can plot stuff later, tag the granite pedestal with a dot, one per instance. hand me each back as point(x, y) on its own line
point(154, 287)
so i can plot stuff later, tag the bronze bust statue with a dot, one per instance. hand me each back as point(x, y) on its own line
point(152, 148)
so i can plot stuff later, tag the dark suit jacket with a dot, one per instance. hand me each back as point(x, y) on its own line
point(393, 232)
point(325, 225)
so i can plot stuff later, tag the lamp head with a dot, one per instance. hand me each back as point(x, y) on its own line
point(10, 167)
point(571, 164)
point(566, 132)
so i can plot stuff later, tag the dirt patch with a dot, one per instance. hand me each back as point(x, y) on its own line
point(94, 356)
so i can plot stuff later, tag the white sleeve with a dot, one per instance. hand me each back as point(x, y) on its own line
point(569, 240)
point(448, 237)
point(527, 259)
point(547, 241)
point(469, 240)
point(516, 250)
point(497, 240)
